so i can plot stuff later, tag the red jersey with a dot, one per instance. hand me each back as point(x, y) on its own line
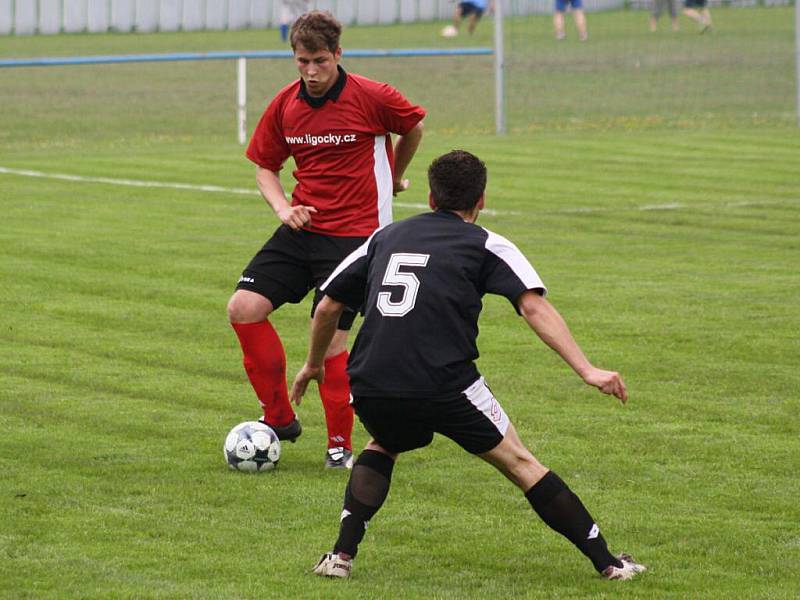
point(342, 149)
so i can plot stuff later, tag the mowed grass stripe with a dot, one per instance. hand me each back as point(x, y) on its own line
point(131, 354)
point(684, 178)
point(689, 174)
point(597, 186)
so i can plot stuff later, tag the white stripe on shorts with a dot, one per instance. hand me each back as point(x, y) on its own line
point(481, 398)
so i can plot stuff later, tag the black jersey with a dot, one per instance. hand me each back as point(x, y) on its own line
point(420, 282)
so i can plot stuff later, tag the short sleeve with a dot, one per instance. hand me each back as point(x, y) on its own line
point(268, 147)
point(395, 112)
point(506, 271)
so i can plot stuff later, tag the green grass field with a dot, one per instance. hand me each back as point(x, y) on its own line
point(668, 233)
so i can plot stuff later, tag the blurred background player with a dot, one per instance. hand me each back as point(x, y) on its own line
point(658, 8)
point(577, 16)
point(697, 10)
point(413, 373)
point(290, 10)
point(337, 126)
point(472, 11)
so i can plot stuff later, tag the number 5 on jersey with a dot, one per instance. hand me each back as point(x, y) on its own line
point(408, 281)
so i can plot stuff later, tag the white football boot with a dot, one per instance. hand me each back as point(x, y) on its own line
point(333, 565)
point(629, 569)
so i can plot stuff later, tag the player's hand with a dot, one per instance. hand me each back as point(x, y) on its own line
point(301, 380)
point(296, 216)
point(400, 185)
point(608, 382)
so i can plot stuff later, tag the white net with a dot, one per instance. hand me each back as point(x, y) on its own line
point(739, 70)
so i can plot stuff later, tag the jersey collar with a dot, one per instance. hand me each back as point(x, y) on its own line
point(332, 94)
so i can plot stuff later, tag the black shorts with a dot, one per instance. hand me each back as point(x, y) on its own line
point(467, 8)
point(473, 419)
point(291, 263)
point(695, 3)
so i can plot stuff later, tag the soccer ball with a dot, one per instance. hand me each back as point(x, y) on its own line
point(252, 446)
point(449, 31)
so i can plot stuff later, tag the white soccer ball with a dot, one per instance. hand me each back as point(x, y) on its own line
point(449, 31)
point(252, 447)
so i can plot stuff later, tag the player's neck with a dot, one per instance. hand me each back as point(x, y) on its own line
point(470, 216)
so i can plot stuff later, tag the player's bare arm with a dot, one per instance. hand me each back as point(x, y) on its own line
point(404, 150)
point(323, 328)
point(269, 184)
point(550, 326)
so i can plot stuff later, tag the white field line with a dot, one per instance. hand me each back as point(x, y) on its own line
point(161, 184)
point(419, 206)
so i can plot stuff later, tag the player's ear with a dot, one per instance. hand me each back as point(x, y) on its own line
point(431, 201)
point(481, 201)
point(338, 54)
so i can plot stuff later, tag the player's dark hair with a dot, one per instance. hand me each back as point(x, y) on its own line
point(457, 180)
point(316, 30)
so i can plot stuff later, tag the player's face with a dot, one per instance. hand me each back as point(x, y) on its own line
point(317, 69)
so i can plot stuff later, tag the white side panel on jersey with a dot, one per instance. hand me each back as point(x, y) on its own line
point(383, 180)
point(482, 398)
point(359, 252)
point(516, 261)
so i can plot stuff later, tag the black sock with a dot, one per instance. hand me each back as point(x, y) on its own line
point(563, 511)
point(365, 493)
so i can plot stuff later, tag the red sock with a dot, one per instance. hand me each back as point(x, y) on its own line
point(265, 363)
point(335, 394)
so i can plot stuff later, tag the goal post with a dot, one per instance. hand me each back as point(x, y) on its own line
point(241, 99)
point(499, 68)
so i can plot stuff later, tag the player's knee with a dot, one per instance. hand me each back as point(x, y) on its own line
point(248, 307)
point(376, 447)
point(236, 309)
